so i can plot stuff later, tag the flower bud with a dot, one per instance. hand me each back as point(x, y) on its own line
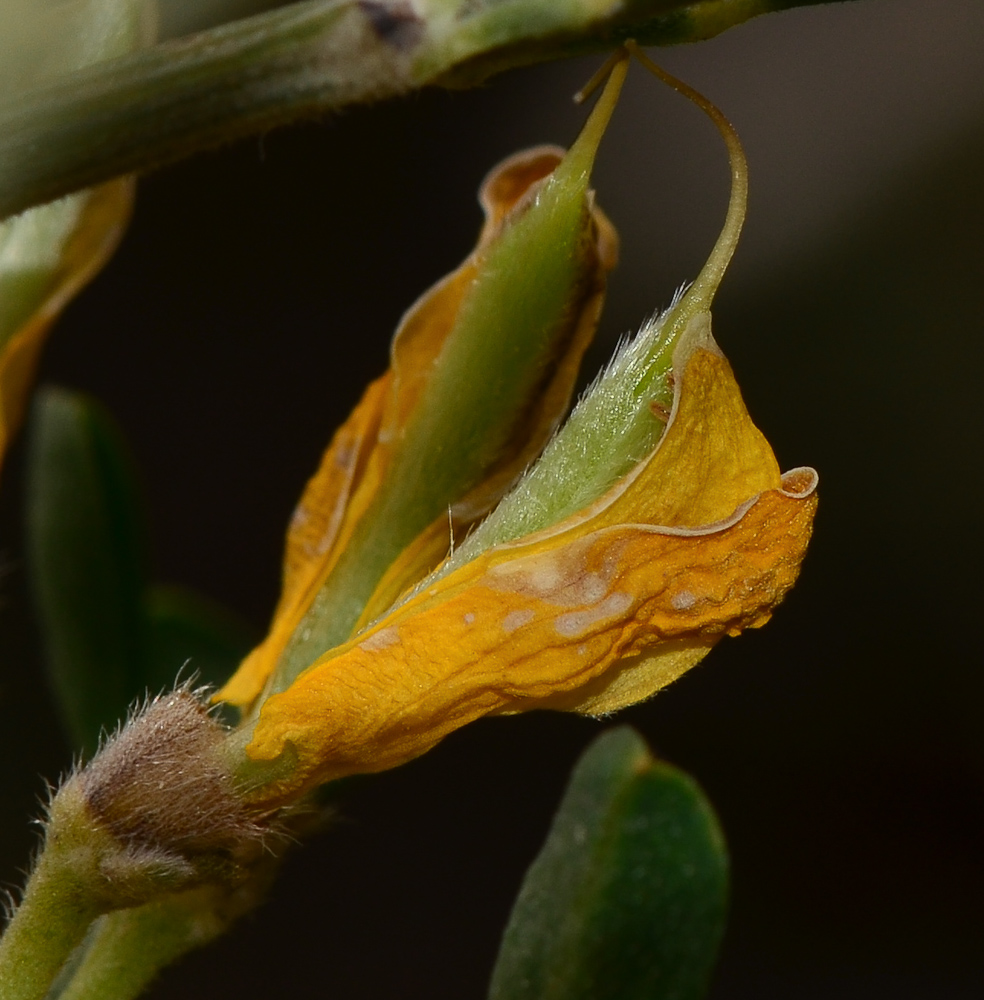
point(156, 810)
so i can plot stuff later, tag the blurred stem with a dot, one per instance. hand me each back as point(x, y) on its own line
point(139, 111)
point(179, 19)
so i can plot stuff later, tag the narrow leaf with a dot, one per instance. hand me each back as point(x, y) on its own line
point(86, 560)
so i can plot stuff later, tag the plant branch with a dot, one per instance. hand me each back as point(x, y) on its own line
point(129, 948)
point(56, 910)
point(302, 60)
point(44, 931)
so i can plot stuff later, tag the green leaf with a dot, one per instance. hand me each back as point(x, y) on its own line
point(627, 898)
point(188, 630)
point(110, 637)
point(86, 558)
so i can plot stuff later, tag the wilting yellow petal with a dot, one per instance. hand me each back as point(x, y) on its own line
point(95, 221)
point(321, 524)
point(710, 459)
point(702, 539)
point(355, 464)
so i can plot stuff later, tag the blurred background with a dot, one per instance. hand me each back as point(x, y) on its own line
point(254, 296)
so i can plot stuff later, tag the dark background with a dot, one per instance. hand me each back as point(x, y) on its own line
point(255, 294)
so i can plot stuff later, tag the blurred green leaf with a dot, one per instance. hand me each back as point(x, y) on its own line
point(86, 557)
point(627, 898)
point(109, 637)
point(188, 630)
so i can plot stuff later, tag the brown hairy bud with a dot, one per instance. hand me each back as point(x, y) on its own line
point(162, 782)
point(156, 810)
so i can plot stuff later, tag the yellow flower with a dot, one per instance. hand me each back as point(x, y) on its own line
point(594, 614)
point(601, 578)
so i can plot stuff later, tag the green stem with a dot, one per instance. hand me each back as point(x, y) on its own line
point(82, 873)
point(48, 925)
point(137, 112)
point(129, 948)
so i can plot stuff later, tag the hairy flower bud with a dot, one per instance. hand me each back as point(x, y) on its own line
point(156, 809)
point(162, 782)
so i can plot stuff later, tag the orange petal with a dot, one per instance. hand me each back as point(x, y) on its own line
point(596, 613)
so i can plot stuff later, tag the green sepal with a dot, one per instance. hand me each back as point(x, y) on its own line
point(627, 898)
point(86, 560)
